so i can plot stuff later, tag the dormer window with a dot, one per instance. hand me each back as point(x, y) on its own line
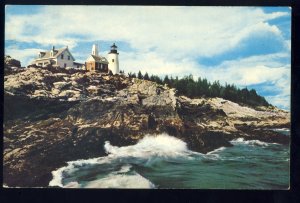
point(62, 56)
point(113, 60)
point(68, 57)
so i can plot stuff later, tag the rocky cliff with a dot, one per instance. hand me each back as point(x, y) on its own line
point(54, 116)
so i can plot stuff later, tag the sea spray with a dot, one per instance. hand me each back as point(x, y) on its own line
point(161, 145)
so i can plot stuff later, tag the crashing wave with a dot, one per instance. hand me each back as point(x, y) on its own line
point(121, 181)
point(161, 145)
point(145, 152)
point(116, 179)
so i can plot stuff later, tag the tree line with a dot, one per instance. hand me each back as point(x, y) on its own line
point(187, 86)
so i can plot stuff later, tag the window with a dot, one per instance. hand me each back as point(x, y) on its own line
point(62, 56)
point(68, 57)
point(113, 60)
point(65, 65)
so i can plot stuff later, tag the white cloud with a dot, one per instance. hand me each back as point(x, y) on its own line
point(247, 74)
point(201, 31)
point(281, 101)
point(153, 63)
point(24, 55)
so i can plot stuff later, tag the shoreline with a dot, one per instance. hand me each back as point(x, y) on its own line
point(49, 177)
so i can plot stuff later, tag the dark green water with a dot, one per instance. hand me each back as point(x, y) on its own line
point(165, 162)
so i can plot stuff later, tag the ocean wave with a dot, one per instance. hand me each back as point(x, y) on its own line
point(214, 155)
point(161, 145)
point(217, 150)
point(281, 129)
point(70, 168)
point(121, 181)
point(116, 179)
point(250, 142)
point(147, 151)
point(285, 131)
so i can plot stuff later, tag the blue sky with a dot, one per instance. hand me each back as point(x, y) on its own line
point(247, 46)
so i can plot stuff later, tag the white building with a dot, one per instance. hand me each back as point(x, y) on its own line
point(113, 59)
point(57, 57)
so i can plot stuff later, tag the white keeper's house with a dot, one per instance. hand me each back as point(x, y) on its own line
point(57, 57)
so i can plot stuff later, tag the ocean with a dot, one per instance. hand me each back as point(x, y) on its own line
point(163, 161)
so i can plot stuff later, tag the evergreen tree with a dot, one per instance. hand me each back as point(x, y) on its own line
point(146, 76)
point(167, 80)
point(215, 89)
point(152, 78)
point(140, 76)
point(171, 82)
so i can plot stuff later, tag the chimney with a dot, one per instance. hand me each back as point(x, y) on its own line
point(53, 48)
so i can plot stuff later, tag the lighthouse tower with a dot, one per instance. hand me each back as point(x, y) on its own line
point(113, 59)
point(95, 50)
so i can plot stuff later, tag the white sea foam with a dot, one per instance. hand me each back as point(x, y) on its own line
point(72, 184)
point(250, 142)
point(281, 129)
point(121, 181)
point(71, 167)
point(217, 150)
point(146, 151)
point(124, 169)
point(116, 180)
point(214, 155)
point(57, 177)
point(161, 145)
point(285, 131)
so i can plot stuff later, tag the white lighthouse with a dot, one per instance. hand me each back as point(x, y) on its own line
point(95, 50)
point(113, 59)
